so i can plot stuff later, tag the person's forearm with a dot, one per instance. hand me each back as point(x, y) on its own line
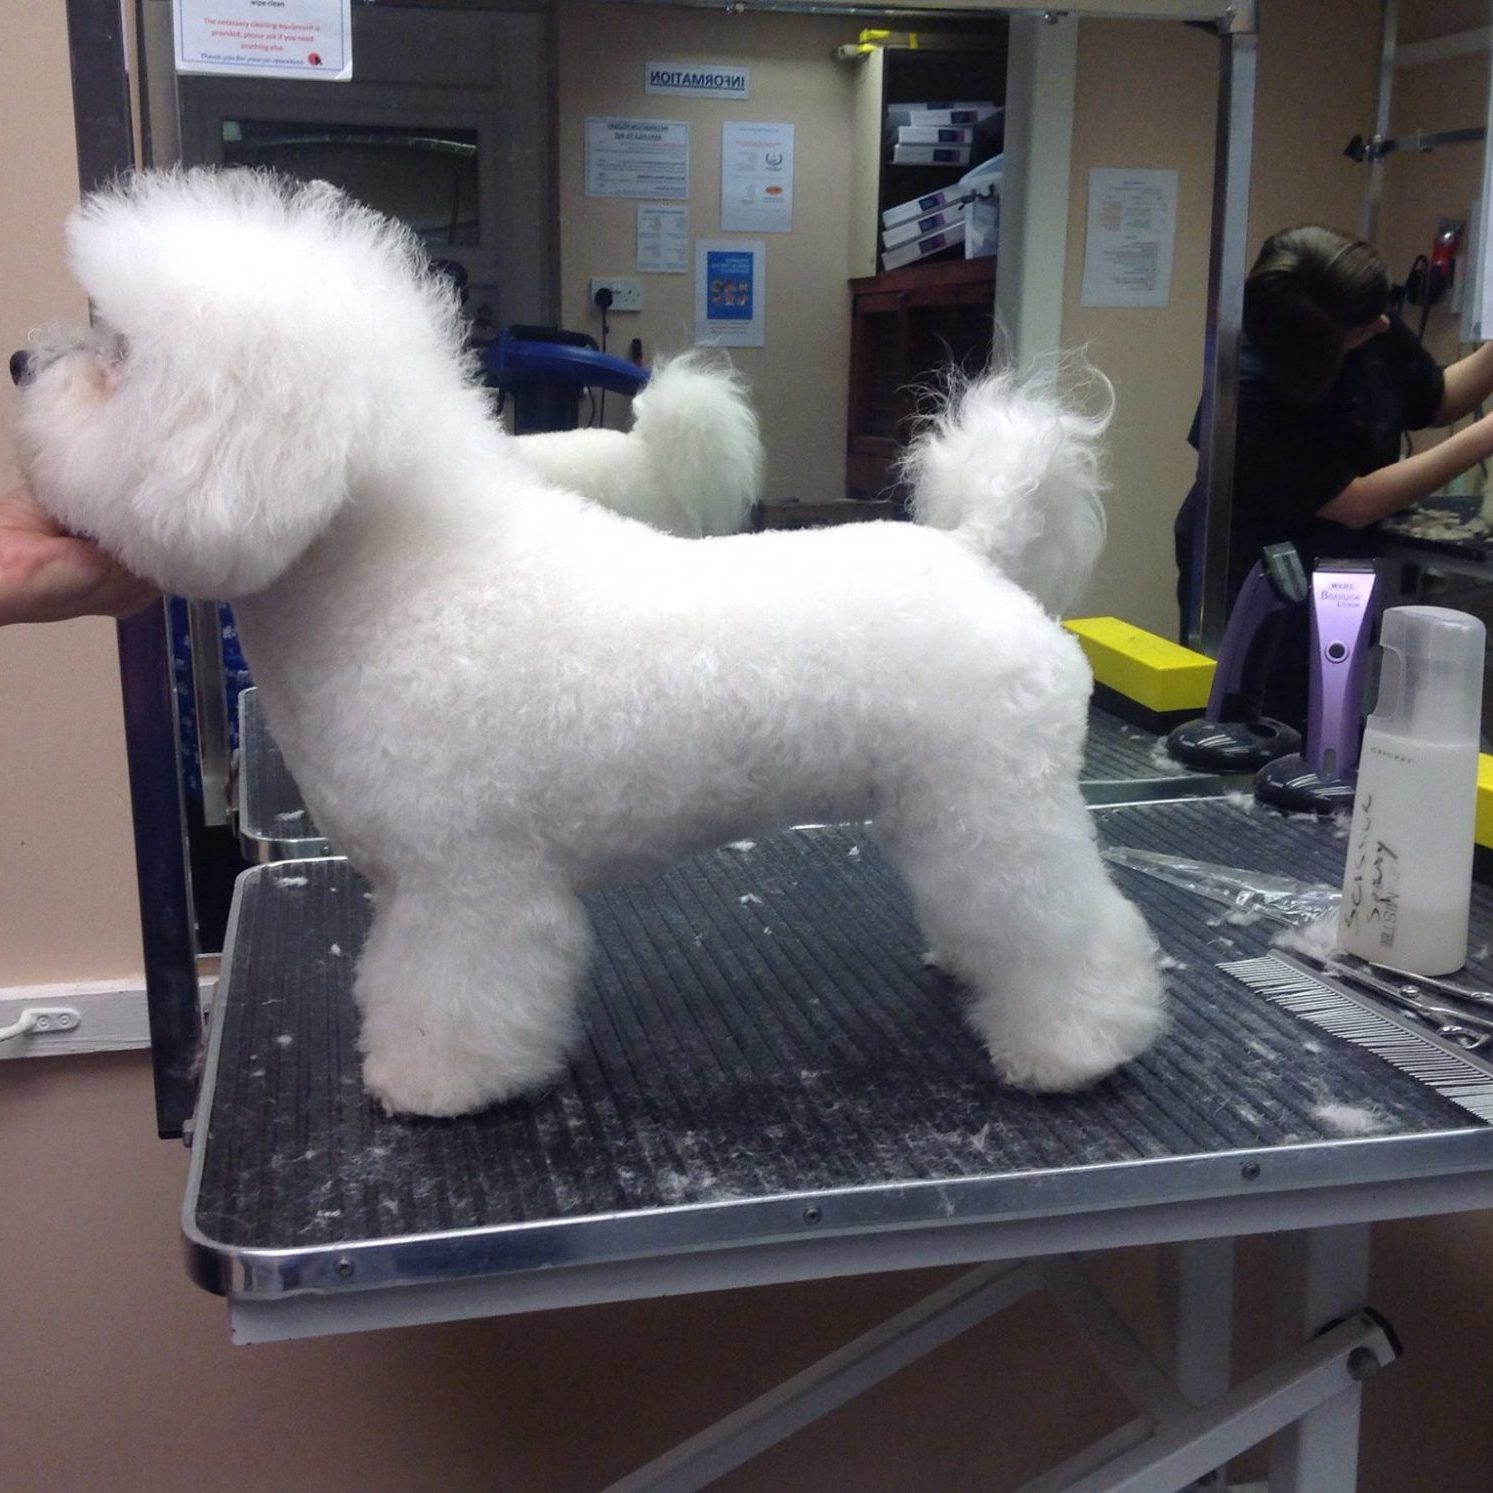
point(1366, 500)
point(1468, 383)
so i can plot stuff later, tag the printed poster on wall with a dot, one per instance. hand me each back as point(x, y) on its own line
point(730, 293)
point(756, 178)
point(1131, 238)
point(265, 38)
point(663, 238)
point(637, 158)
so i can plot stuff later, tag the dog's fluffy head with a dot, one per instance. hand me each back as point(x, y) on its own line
point(252, 338)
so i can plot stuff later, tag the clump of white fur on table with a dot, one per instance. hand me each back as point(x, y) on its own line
point(495, 694)
point(1316, 940)
point(1354, 1119)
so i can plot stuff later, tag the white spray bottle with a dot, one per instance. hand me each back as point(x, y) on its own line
point(1408, 882)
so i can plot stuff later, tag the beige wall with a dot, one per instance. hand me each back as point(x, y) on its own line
point(799, 380)
point(118, 1373)
point(1154, 358)
point(67, 880)
point(1147, 97)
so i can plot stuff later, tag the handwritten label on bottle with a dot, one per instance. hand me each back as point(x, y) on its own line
point(1372, 889)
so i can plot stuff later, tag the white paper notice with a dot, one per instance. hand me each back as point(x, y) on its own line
point(756, 178)
point(1132, 234)
point(265, 38)
point(663, 238)
point(730, 293)
point(637, 158)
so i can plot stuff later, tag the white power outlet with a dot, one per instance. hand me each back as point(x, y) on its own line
point(627, 295)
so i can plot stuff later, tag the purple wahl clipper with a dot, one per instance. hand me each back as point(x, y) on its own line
point(1232, 735)
point(1343, 612)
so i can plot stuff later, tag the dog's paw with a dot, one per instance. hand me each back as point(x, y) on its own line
point(1100, 1014)
point(417, 1081)
point(1079, 1048)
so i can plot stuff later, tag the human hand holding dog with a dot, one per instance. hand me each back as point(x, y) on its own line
point(49, 575)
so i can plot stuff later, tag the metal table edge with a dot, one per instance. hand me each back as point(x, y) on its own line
point(1112, 793)
point(202, 1111)
point(700, 1228)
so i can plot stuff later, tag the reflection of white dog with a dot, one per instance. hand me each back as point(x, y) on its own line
point(691, 464)
point(495, 694)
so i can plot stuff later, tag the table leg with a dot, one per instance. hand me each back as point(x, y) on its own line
point(1197, 1303)
point(1324, 1276)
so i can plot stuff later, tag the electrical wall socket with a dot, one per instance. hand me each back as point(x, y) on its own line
point(627, 295)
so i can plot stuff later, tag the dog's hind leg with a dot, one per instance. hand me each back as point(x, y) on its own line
point(1018, 906)
point(468, 989)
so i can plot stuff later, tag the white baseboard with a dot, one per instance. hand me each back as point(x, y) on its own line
point(77, 1016)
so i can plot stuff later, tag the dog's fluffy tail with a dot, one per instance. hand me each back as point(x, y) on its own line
point(1013, 468)
point(704, 452)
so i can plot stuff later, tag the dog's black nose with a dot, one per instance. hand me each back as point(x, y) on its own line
point(20, 368)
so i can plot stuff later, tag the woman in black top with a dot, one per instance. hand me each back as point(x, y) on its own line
point(1329, 384)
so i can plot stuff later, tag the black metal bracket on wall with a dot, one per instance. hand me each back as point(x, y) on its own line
point(105, 130)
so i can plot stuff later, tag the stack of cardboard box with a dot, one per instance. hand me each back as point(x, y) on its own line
point(939, 134)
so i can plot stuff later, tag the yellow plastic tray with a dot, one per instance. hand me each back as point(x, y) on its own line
point(1483, 824)
point(1153, 671)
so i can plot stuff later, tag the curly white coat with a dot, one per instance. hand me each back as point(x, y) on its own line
point(496, 694)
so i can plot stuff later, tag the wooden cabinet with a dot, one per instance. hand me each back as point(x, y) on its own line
point(907, 327)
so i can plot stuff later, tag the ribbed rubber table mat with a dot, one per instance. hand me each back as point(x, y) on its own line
point(758, 1022)
point(1117, 751)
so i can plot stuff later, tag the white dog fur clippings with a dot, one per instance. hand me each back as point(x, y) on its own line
point(496, 694)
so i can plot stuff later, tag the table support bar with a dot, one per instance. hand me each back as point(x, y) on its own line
point(835, 1379)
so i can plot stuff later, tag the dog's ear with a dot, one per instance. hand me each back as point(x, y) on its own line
point(258, 319)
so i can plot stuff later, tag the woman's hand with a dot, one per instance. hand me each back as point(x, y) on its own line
point(47, 574)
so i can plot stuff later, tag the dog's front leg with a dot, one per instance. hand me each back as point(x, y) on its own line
point(1012, 894)
point(467, 987)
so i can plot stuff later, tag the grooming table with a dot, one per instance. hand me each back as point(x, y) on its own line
point(773, 1086)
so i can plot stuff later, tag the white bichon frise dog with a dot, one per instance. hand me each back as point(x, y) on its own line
point(496, 694)
point(691, 464)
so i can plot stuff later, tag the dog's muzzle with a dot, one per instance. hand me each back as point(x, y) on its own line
point(21, 370)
